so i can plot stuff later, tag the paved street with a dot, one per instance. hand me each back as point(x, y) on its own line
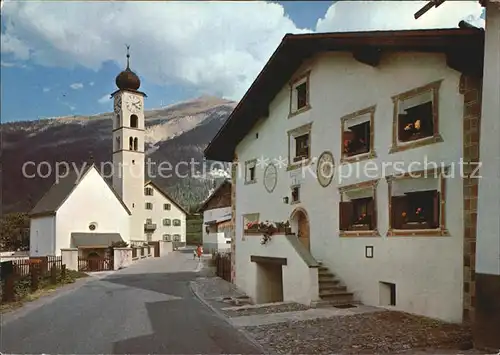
point(146, 308)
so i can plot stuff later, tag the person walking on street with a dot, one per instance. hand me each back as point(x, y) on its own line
point(199, 251)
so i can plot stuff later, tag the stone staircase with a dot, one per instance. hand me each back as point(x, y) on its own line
point(331, 290)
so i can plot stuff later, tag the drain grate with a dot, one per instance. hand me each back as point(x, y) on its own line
point(345, 306)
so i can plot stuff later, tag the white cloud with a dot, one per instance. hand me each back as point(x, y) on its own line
point(76, 86)
point(396, 15)
point(104, 100)
point(216, 47)
point(91, 83)
point(46, 89)
point(12, 64)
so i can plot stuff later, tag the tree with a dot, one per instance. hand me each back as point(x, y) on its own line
point(15, 232)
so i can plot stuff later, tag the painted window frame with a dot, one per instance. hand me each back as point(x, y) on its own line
point(148, 191)
point(149, 204)
point(345, 122)
point(292, 134)
point(167, 222)
point(167, 237)
point(398, 146)
point(365, 185)
point(167, 206)
point(176, 237)
point(176, 222)
point(248, 165)
point(442, 231)
point(294, 84)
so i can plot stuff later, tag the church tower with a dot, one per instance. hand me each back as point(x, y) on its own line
point(128, 147)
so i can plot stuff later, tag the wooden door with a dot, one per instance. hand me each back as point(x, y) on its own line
point(303, 227)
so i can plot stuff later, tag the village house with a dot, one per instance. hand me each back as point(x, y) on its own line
point(81, 210)
point(217, 219)
point(356, 139)
point(165, 218)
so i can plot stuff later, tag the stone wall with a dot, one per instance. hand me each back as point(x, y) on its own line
point(470, 87)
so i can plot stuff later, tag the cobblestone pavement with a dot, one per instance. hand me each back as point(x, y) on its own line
point(385, 332)
point(379, 332)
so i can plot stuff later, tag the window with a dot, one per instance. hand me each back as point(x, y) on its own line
point(149, 221)
point(93, 226)
point(415, 121)
point(136, 143)
point(299, 95)
point(177, 222)
point(177, 237)
point(149, 206)
point(357, 209)
point(357, 135)
point(118, 146)
point(357, 214)
point(295, 194)
point(148, 191)
point(167, 206)
point(417, 204)
point(134, 121)
point(131, 143)
point(117, 120)
point(250, 167)
point(416, 210)
point(166, 222)
point(250, 218)
point(299, 146)
point(167, 238)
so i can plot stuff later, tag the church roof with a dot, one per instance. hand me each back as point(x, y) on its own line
point(60, 191)
point(167, 196)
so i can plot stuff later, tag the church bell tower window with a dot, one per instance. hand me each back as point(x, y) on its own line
point(134, 121)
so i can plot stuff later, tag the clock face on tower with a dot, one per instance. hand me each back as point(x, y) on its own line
point(118, 104)
point(134, 104)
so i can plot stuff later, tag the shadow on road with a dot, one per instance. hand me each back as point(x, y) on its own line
point(182, 326)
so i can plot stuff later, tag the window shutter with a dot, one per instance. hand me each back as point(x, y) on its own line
point(398, 206)
point(371, 212)
point(436, 210)
point(345, 215)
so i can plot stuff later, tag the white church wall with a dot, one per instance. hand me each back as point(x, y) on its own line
point(159, 213)
point(42, 236)
point(92, 201)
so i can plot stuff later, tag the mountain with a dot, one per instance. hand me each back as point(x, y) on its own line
point(177, 133)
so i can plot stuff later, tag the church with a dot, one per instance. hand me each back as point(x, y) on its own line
point(82, 210)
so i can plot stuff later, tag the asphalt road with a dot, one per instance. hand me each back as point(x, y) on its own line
point(147, 308)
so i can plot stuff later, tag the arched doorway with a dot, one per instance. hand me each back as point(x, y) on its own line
point(300, 226)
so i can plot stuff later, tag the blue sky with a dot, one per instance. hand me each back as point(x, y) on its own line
point(180, 51)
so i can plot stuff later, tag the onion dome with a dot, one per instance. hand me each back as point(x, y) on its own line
point(127, 79)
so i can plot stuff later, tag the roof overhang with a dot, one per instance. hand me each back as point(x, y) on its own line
point(101, 240)
point(463, 48)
